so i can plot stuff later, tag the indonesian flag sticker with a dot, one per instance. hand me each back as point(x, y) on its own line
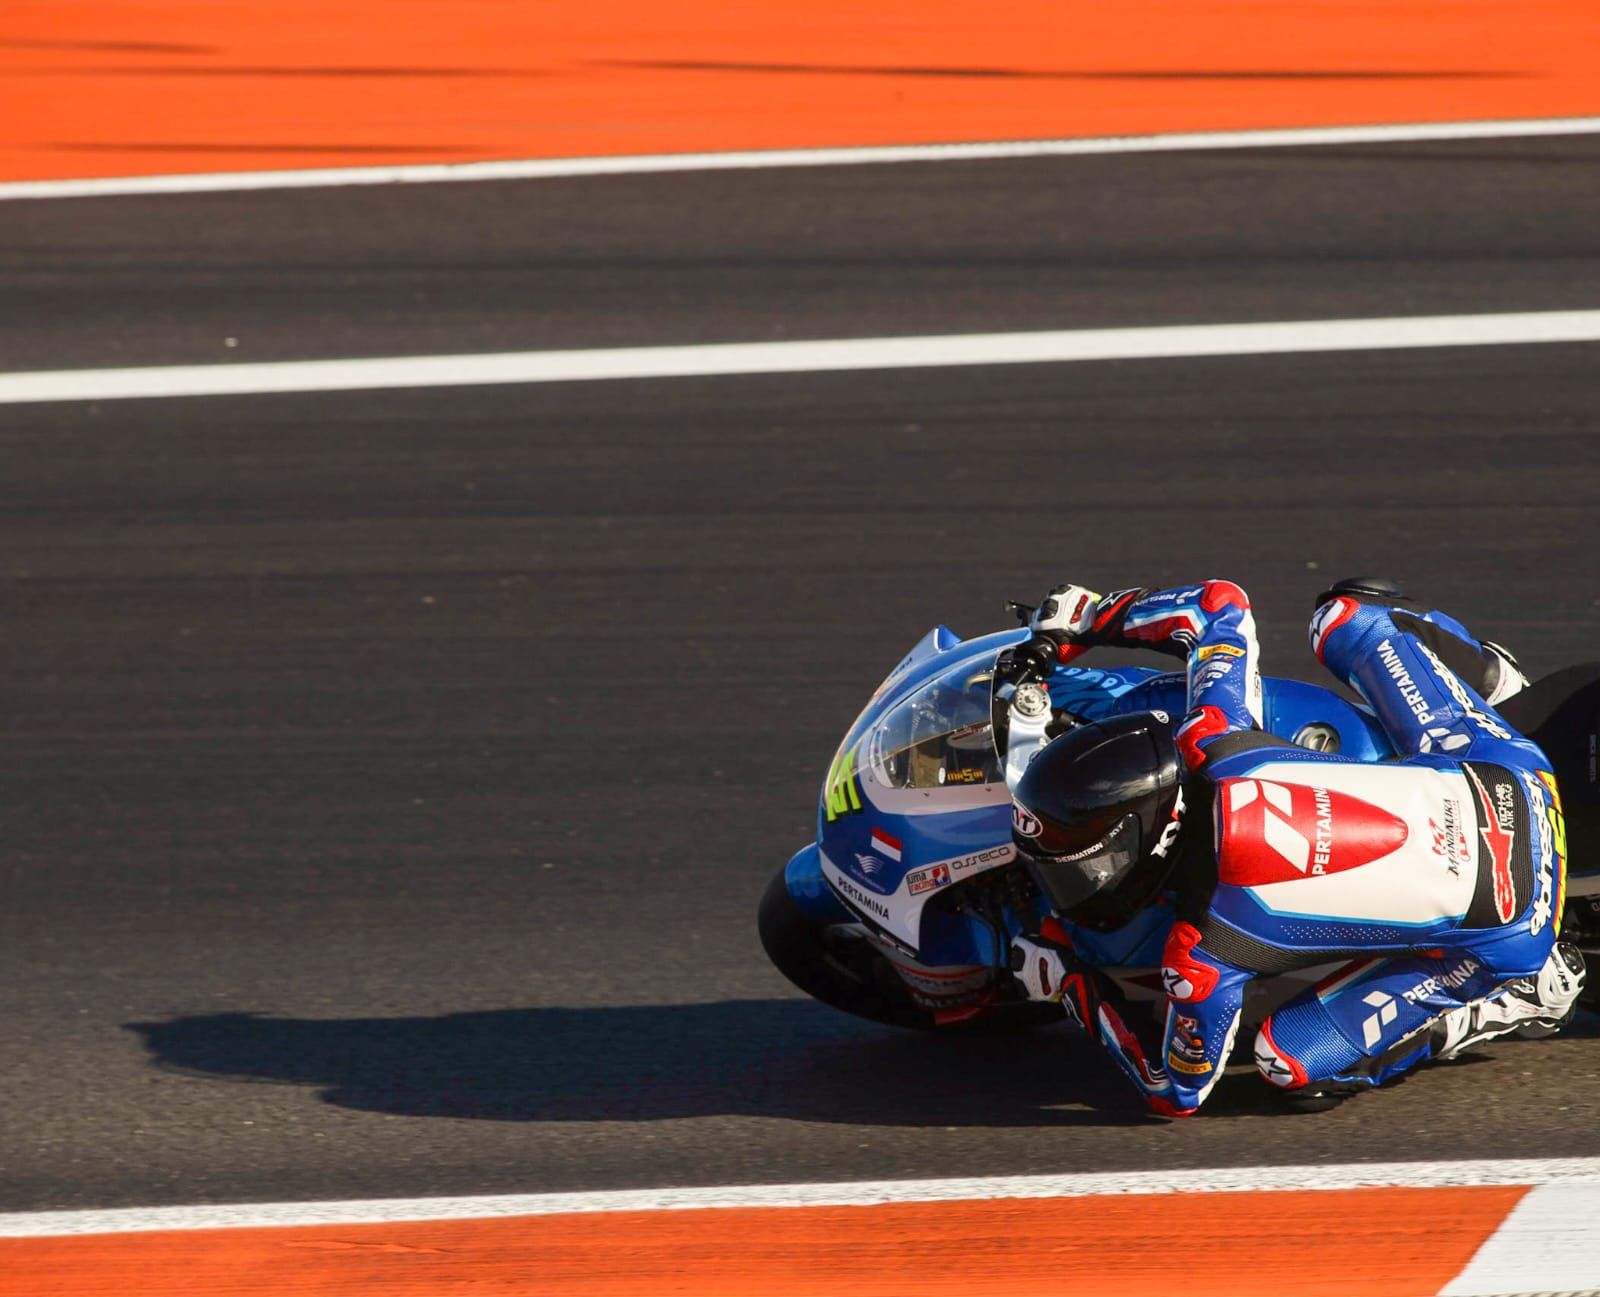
point(884, 845)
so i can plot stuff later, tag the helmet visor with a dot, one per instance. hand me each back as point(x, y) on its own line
point(1074, 878)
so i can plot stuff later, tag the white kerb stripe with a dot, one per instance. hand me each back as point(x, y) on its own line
point(864, 1194)
point(1548, 1243)
point(564, 168)
point(936, 351)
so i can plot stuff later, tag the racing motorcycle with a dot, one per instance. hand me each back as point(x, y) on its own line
point(903, 909)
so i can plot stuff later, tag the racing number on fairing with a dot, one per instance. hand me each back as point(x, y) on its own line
point(839, 789)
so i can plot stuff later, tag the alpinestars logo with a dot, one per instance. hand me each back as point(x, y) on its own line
point(1330, 617)
point(1372, 1027)
point(1270, 1065)
point(1497, 841)
point(1543, 820)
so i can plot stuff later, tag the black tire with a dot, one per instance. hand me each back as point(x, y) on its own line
point(848, 973)
point(843, 972)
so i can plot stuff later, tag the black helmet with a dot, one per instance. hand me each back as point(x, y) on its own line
point(1095, 817)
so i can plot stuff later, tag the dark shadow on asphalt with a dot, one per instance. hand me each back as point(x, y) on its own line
point(774, 1058)
point(792, 1059)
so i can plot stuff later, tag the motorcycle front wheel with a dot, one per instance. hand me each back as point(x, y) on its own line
point(848, 973)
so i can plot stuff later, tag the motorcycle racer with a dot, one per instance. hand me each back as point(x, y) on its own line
point(1435, 881)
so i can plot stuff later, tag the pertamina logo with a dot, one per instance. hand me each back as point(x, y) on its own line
point(862, 900)
point(1277, 833)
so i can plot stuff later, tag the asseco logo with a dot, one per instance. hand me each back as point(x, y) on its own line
point(1024, 821)
point(990, 856)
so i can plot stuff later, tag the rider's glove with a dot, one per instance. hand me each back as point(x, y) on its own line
point(1047, 968)
point(1043, 960)
point(1065, 618)
point(1040, 965)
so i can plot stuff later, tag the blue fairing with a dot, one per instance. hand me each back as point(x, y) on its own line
point(890, 838)
point(1287, 706)
point(803, 877)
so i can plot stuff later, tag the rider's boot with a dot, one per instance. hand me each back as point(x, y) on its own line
point(1530, 1006)
point(1507, 680)
point(1501, 673)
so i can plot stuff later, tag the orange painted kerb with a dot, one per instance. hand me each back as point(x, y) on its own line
point(1392, 1242)
point(142, 87)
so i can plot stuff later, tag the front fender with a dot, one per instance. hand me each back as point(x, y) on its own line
point(802, 876)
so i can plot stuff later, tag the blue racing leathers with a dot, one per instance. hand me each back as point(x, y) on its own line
point(1430, 881)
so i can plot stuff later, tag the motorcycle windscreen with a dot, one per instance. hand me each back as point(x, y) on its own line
point(1068, 881)
point(938, 736)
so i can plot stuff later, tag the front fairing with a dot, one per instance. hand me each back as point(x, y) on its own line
point(888, 841)
point(891, 842)
point(915, 800)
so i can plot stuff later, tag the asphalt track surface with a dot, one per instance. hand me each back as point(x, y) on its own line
point(389, 779)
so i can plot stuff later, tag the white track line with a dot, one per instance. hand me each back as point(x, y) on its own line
point(1549, 1239)
point(1357, 1175)
point(802, 357)
point(561, 168)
